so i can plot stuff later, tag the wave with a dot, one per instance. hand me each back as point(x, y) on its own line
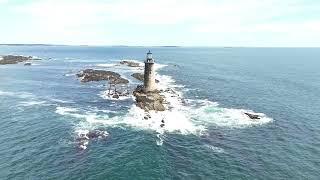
point(32, 103)
point(68, 111)
point(212, 114)
point(214, 148)
point(106, 65)
point(60, 101)
point(70, 74)
point(21, 95)
point(105, 95)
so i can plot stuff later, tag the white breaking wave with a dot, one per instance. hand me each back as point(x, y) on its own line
point(21, 95)
point(70, 74)
point(105, 95)
point(212, 114)
point(214, 148)
point(107, 65)
point(32, 103)
point(60, 101)
point(69, 112)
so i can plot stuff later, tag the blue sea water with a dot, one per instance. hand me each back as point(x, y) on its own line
point(44, 107)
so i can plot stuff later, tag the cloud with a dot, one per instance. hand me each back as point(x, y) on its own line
point(90, 20)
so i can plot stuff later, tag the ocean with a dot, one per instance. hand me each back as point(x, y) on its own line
point(44, 108)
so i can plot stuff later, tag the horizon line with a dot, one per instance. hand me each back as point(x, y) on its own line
point(168, 46)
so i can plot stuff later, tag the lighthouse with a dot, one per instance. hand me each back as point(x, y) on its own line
point(149, 74)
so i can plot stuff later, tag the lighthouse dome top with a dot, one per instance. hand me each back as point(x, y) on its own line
point(149, 58)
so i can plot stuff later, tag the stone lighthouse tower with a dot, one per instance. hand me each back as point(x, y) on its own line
point(149, 74)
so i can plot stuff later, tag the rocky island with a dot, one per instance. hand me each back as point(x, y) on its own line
point(130, 63)
point(88, 75)
point(15, 59)
point(113, 79)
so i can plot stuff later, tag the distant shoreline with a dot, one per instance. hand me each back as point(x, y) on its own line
point(167, 46)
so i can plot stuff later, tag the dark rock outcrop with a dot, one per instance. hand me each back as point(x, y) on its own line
point(140, 77)
point(252, 116)
point(149, 100)
point(116, 96)
point(14, 59)
point(27, 64)
point(130, 63)
point(101, 75)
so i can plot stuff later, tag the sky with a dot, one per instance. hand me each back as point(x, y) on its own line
point(249, 23)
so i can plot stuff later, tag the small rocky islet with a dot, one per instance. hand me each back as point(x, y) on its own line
point(130, 63)
point(88, 75)
point(15, 59)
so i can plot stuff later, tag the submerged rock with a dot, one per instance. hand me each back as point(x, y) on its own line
point(84, 137)
point(149, 100)
point(130, 63)
point(252, 116)
point(140, 77)
point(14, 59)
point(97, 134)
point(101, 75)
